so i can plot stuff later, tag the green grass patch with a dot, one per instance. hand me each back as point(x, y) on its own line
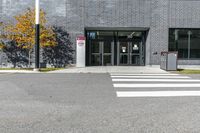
point(188, 71)
point(50, 69)
point(28, 69)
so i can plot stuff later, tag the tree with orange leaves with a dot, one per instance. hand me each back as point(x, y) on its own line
point(23, 31)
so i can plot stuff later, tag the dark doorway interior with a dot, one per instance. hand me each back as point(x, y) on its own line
point(109, 48)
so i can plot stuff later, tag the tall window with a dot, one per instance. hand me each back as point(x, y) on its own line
point(186, 42)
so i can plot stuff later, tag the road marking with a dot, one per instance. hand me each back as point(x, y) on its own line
point(154, 80)
point(158, 93)
point(165, 77)
point(145, 74)
point(155, 85)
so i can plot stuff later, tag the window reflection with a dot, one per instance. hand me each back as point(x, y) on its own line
point(91, 35)
point(186, 42)
point(195, 44)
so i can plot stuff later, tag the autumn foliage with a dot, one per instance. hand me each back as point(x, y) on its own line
point(22, 33)
point(23, 30)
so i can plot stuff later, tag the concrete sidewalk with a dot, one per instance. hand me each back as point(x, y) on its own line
point(17, 71)
point(113, 69)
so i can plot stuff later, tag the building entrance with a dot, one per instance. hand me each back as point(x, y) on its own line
point(130, 53)
point(109, 48)
point(101, 53)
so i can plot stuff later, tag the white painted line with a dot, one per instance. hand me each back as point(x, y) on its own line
point(165, 77)
point(157, 93)
point(155, 85)
point(155, 80)
point(121, 74)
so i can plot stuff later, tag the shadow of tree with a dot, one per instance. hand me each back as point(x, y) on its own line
point(61, 54)
point(15, 54)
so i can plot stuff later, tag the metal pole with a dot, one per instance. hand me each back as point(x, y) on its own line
point(189, 43)
point(37, 34)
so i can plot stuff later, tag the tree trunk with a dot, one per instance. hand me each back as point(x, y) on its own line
point(29, 59)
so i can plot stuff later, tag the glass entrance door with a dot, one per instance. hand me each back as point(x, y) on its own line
point(96, 58)
point(135, 53)
point(107, 53)
point(102, 53)
point(123, 50)
point(104, 48)
point(130, 53)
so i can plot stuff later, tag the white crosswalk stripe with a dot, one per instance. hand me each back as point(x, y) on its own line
point(161, 83)
point(157, 85)
point(165, 77)
point(158, 94)
point(154, 80)
point(146, 74)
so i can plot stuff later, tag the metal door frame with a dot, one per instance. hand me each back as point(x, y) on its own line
point(115, 53)
point(119, 53)
point(101, 52)
point(130, 54)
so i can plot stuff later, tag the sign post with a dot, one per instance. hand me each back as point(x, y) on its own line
point(37, 35)
point(80, 50)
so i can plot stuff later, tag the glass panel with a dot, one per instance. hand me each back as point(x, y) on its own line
point(172, 41)
point(135, 59)
point(136, 48)
point(124, 50)
point(105, 35)
point(124, 35)
point(195, 44)
point(129, 34)
point(107, 47)
point(91, 35)
point(183, 43)
point(179, 41)
point(123, 47)
point(124, 59)
point(107, 60)
point(96, 60)
point(95, 47)
point(186, 42)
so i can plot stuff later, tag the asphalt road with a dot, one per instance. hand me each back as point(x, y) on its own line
point(87, 103)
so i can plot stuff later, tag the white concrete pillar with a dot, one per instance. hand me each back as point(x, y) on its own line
point(80, 51)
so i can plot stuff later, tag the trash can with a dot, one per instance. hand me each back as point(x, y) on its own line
point(169, 61)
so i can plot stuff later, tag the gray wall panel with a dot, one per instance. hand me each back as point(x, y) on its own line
point(184, 13)
point(159, 29)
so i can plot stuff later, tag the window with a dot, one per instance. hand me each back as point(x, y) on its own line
point(186, 42)
point(100, 35)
